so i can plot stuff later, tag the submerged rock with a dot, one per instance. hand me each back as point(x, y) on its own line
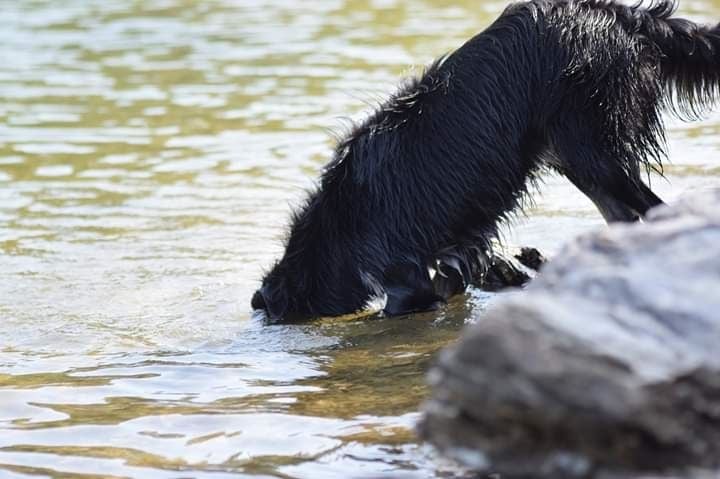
point(504, 271)
point(608, 365)
point(493, 272)
point(531, 258)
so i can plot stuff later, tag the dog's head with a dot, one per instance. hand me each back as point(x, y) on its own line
point(305, 289)
point(275, 296)
point(318, 274)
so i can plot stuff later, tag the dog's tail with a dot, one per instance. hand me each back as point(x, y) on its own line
point(690, 54)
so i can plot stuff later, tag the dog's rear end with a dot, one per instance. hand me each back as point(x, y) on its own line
point(690, 63)
point(624, 66)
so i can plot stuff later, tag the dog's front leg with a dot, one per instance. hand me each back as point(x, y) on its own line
point(409, 289)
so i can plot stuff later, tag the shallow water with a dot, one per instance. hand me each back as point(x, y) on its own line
point(149, 155)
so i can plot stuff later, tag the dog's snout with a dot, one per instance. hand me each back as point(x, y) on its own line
point(258, 300)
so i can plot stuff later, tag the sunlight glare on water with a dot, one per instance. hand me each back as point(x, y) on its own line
point(150, 154)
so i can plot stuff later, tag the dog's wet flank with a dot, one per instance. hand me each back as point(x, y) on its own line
point(577, 87)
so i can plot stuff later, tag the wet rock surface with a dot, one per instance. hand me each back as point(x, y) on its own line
point(503, 272)
point(607, 366)
point(531, 258)
point(509, 271)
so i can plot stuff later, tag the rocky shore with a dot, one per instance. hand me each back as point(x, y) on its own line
point(606, 366)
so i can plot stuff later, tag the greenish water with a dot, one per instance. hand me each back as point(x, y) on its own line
point(150, 153)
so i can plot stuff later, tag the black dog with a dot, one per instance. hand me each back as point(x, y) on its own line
point(577, 86)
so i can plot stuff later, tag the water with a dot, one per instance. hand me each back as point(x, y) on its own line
point(149, 155)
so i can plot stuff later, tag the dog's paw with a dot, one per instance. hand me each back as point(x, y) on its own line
point(409, 289)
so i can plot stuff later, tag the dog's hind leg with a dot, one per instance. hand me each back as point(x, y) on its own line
point(649, 198)
point(618, 198)
point(617, 195)
point(607, 200)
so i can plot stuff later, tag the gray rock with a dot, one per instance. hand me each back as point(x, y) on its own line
point(607, 365)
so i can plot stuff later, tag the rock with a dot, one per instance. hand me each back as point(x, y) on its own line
point(491, 272)
point(531, 258)
point(509, 272)
point(502, 273)
point(606, 366)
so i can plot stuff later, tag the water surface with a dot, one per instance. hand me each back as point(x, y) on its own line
point(150, 153)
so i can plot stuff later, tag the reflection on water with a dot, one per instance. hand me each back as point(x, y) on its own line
point(149, 155)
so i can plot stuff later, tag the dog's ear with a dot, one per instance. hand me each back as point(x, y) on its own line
point(409, 289)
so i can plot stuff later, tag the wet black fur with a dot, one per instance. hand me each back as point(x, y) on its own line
point(577, 86)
